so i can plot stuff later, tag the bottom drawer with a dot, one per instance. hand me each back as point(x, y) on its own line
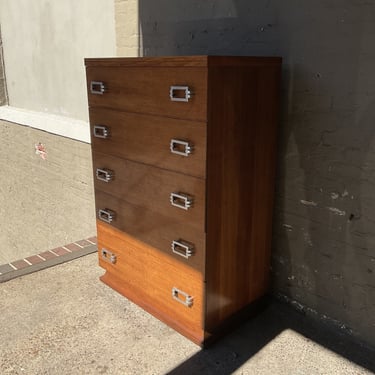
point(168, 289)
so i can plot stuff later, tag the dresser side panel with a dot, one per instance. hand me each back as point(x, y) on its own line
point(241, 134)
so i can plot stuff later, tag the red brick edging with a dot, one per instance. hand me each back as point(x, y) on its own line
point(47, 258)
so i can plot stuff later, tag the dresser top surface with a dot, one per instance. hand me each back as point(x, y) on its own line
point(184, 61)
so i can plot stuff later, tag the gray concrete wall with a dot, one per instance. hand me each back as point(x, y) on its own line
point(45, 42)
point(324, 232)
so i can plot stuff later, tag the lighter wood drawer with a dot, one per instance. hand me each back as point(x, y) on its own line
point(152, 188)
point(157, 230)
point(153, 280)
point(147, 139)
point(147, 90)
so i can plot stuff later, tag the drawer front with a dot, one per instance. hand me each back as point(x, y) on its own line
point(150, 140)
point(158, 230)
point(148, 90)
point(152, 279)
point(152, 188)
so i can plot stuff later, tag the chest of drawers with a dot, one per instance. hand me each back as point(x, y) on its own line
point(184, 161)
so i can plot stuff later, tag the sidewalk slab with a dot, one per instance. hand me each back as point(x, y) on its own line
point(65, 321)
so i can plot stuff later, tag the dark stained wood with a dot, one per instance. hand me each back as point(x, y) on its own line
point(240, 184)
point(146, 186)
point(146, 90)
point(233, 120)
point(146, 276)
point(147, 139)
point(156, 228)
point(184, 61)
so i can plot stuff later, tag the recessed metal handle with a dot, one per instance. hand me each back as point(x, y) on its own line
point(182, 297)
point(106, 215)
point(182, 248)
point(108, 256)
point(97, 88)
point(180, 93)
point(104, 174)
point(179, 147)
point(101, 131)
point(181, 200)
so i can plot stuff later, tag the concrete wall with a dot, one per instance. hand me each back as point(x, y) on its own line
point(324, 232)
point(45, 42)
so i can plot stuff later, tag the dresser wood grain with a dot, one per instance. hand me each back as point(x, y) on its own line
point(205, 127)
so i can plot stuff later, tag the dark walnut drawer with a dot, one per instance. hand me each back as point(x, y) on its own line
point(176, 195)
point(179, 239)
point(172, 92)
point(167, 143)
point(161, 285)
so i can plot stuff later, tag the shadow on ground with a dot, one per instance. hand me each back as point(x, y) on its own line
point(299, 341)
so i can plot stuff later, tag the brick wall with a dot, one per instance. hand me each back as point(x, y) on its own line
point(324, 232)
point(127, 28)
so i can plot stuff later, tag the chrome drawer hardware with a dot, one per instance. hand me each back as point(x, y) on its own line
point(183, 248)
point(97, 88)
point(106, 215)
point(101, 131)
point(182, 297)
point(181, 200)
point(108, 256)
point(104, 174)
point(178, 147)
point(180, 93)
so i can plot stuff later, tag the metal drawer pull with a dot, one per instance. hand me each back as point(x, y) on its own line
point(101, 131)
point(181, 200)
point(97, 87)
point(104, 174)
point(180, 93)
point(183, 148)
point(183, 248)
point(106, 215)
point(108, 256)
point(182, 297)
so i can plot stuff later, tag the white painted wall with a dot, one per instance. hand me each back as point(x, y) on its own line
point(45, 42)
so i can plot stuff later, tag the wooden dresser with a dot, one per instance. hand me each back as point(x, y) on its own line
point(184, 161)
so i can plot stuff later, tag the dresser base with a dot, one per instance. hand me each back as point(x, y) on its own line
point(204, 340)
point(118, 285)
point(236, 320)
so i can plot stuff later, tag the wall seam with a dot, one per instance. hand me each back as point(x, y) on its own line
point(6, 97)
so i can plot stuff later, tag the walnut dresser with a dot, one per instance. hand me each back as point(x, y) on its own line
point(184, 161)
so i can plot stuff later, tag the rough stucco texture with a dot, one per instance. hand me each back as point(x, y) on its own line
point(324, 227)
point(43, 203)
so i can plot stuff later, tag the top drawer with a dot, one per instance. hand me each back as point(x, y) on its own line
point(173, 92)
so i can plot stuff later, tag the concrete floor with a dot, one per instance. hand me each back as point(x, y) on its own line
point(63, 320)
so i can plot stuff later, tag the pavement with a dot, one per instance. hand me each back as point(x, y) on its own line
point(63, 320)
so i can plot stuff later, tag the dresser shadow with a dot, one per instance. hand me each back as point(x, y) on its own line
point(277, 322)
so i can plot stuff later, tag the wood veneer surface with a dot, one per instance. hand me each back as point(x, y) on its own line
point(146, 90)
point(232, 118)
point(146, 139)
point(146, 276)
